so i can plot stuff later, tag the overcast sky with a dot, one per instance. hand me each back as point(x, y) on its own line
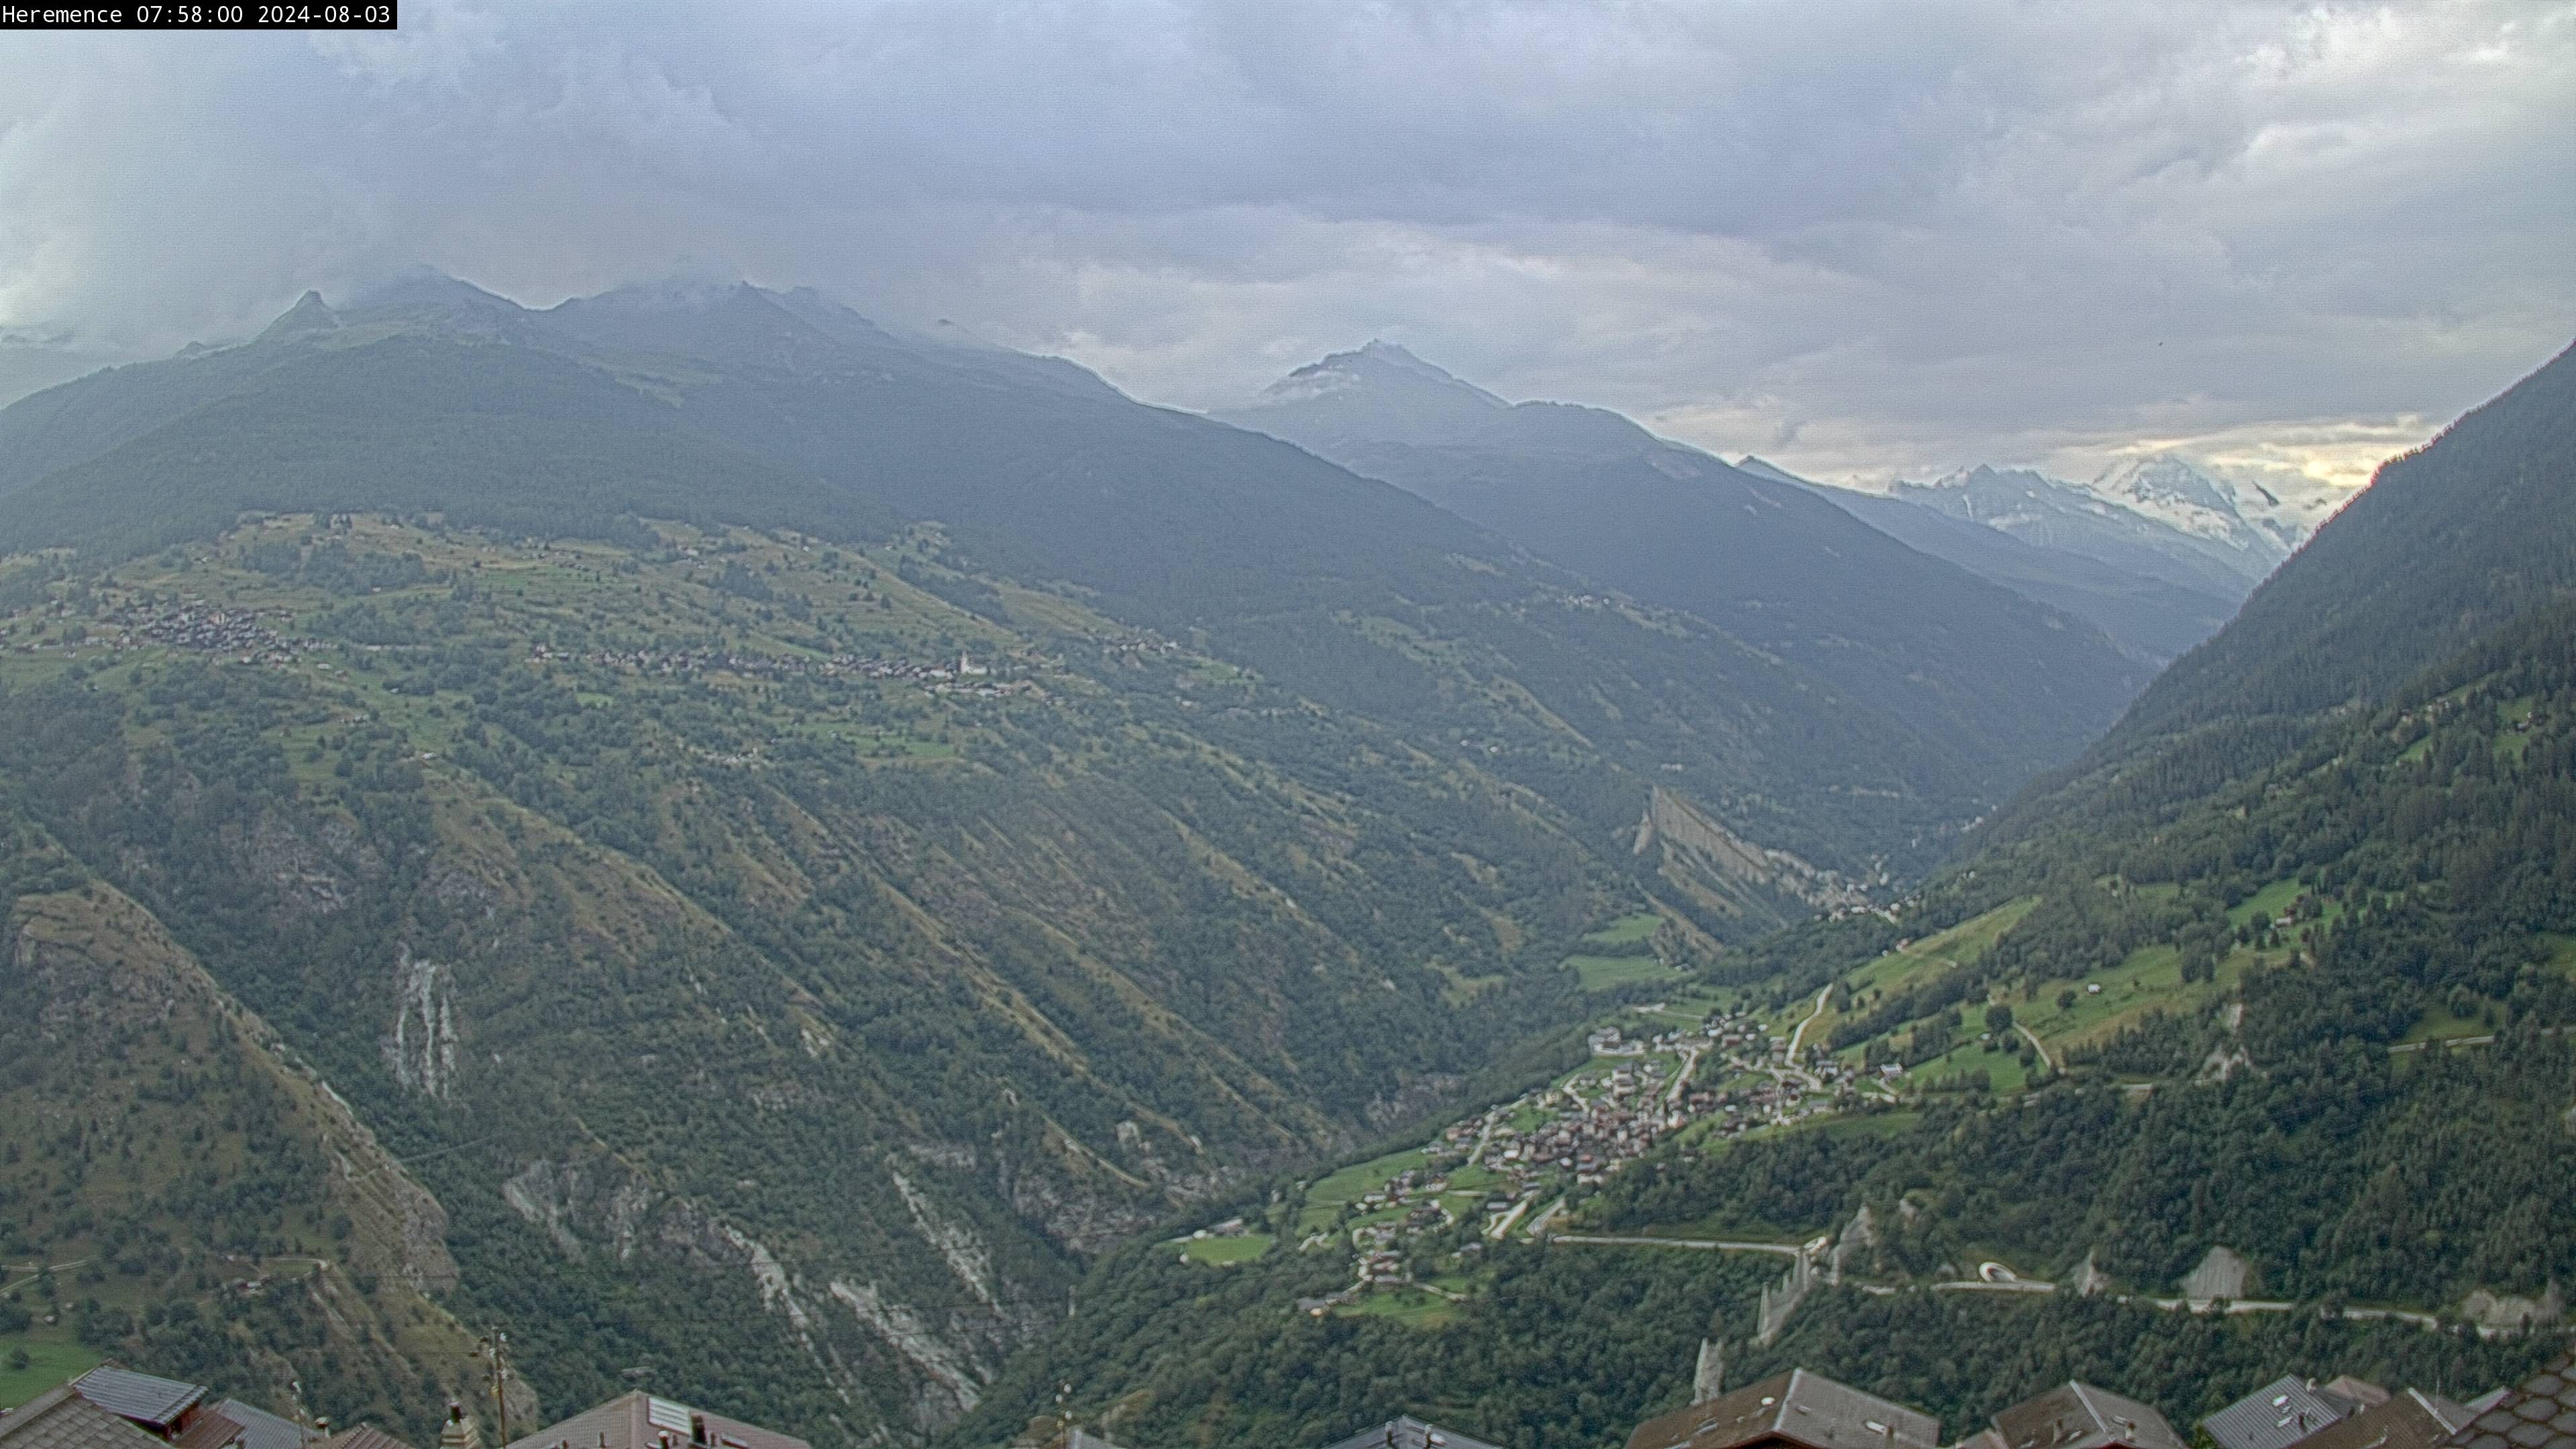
point(1864, 240)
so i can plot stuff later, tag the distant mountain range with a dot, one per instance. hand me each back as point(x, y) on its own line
point(1998, 678)
point(2160, 514)
point(2156, 551)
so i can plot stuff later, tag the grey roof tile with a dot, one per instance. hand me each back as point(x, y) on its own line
point(2539, 1413)
point(2080, 1416)
point(262, 1429)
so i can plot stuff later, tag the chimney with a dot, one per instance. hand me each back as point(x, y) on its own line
point(459, 1431)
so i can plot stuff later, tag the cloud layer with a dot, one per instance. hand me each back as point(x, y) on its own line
point(1860, 238)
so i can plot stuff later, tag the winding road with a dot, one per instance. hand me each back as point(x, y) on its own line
point(2033, 1038)
point(1796, 1036)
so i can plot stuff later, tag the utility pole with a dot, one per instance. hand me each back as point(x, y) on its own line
point(495, 1347)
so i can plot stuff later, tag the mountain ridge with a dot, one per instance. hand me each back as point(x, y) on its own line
point(1919, 640)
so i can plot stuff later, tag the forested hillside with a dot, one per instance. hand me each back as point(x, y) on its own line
point(2468, 532)
point(737, 406)
point(741, 923)
point(176, 1187)
point(769, 823)
point(2391, 1035)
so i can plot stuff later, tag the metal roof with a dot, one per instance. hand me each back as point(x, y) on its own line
point(1408, 1432)
point(2276, 1416)
point(141, 1397)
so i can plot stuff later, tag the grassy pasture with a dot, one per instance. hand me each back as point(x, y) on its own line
point(1226, 1252)
point(53, 1355)
point(1601, 973)
point(1628, 930)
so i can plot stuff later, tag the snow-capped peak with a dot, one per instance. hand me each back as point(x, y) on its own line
point(2206, 502)
point(2137, 512)
point(2167, 488)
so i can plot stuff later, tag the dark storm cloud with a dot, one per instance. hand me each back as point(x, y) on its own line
point(1872, 236)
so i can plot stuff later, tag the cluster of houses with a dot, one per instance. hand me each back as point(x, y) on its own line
point(195, 627)
point(1581, 1132)
point(1137, 644)
point(770, 666)
point(113, 1407)
point(1803, 1410)
point(1632, 1107)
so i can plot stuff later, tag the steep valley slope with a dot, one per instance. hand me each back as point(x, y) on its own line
point(860, 996)
point(179, 1187)
point(739, 924)
point(2271, 1000)
point(778, 824)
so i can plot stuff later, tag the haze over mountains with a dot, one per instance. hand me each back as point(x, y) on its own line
point(1986, 673)
point(2154, 556)
point(757, 722)
point(748, 812)
point(774, 814)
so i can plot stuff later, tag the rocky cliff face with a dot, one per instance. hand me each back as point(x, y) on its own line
point(1722, 870)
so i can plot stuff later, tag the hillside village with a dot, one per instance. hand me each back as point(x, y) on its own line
point(1510, 1169)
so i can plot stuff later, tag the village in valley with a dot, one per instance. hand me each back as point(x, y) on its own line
point(1416, 1222)
point(1692, 1072)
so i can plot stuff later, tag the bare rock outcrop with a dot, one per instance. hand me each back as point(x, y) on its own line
point(2222, 1273)
point(2514, 1313)
point(1687, 830)
point(421, 1048)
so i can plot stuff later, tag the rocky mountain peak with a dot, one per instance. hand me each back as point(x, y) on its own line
point(309, 315)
